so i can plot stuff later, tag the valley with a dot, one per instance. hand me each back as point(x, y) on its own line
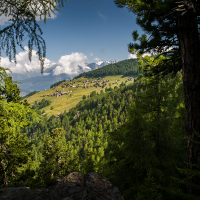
point(113, 121)
point(66, 102)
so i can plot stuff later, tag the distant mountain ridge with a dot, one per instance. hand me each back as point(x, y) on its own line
point(35, 81)
point(125, 67)
point(100, 64)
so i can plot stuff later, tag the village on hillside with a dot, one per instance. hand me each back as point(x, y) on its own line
point(86, 84)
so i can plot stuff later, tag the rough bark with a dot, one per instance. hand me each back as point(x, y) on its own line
point(190, 54)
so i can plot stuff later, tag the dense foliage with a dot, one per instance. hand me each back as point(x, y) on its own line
point(174, 25)
point(41, 104)
point(149, 147)
point(141, 149)
point(14, 146)
point(85, 125)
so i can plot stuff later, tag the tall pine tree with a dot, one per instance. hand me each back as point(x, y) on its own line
point(175, 24)
point(145, 150)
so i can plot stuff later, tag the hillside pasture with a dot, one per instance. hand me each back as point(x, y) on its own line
point(65, 102)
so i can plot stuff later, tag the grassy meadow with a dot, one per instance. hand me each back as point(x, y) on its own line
point(65, 102)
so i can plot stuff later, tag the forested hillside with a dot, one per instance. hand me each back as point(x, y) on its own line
point(131, 130)
point(69, 93)
point(86, 124)
point(125, 67)
point(101, 129)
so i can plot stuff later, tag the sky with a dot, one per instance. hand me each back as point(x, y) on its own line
point(84, 31)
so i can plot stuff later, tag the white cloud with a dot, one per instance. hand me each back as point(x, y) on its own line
point(150, 54)
point(97, 59)
point(130, 56)
point(23, 64)
point(167, 48)
point(102, 16)
point(91, 54)
point(146, 54)
point(46, 74)
point(71, 64)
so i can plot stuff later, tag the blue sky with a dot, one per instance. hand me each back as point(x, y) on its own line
point(90, 26)
point(96, 29)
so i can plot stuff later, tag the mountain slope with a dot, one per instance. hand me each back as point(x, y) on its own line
point(67, 101)
point(125, 67)
point(34, 81)
point(81, 85)
point(88, 120)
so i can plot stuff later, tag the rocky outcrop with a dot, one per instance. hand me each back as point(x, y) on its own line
point(75, 186)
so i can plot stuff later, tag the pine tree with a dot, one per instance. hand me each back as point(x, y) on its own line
point(175, 24)
point(145, 150)
point(89, 164)
point(57, 158)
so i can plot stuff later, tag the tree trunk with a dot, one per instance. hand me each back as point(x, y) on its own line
point(190, 54)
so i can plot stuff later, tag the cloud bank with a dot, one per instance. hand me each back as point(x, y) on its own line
point(72, 64)
point(23, 64)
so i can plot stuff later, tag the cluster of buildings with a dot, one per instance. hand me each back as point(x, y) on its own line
point(97, 83)
point(68, 84)
point(87, 84)
point(57, 93)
